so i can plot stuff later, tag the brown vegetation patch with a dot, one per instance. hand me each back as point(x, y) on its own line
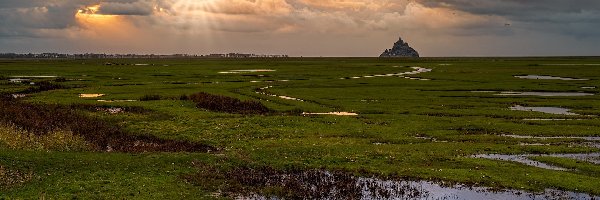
point(43, 86)
point(15, 138)
point(10, 178)
point(220, 103)
point(102, 135)
point(253, 182)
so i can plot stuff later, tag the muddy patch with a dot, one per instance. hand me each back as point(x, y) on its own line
point(91, 95)
point(549, 110)
point(268, 183)
point(526, 159)
point(546, 94)
point(332, 113)
point(543, 77)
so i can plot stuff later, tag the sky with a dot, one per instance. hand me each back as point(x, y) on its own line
point(361, 28)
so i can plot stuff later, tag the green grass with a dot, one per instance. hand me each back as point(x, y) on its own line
point(386, 138)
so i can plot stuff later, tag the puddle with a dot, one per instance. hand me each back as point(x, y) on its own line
point(552, 119)
point(417, 70)
point(571, 64)
point(17, 80)
point(273, 95)
point(116, 101)
point(141, 64)
point(549, 110)
point(239, 71)
point(34, 76)
point(269, 81)
point(16, 96)
point(320, 184)
point(290, 98)
point(111, 110)
point(90, 95)
point(542, 77)
point(533, 144)
point(553, 137)
point(588, 87)
point(546, 94)
point(525, 159)
point(332, 113)
point(484, 91)
point(444, 64)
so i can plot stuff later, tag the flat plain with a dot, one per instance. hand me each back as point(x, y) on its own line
point(224, 128)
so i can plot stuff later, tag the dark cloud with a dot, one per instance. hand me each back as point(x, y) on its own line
point(127, 8)
point(577, 18)
point(463, 27)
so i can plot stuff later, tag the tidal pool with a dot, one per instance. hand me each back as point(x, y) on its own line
point(542, 77)
point(549, 110)
point(327, 185)
point(17, 80)
point(332, 113)
point(546, 94)
point(416, 70)
point(90, 95)
point(552, 137)
point(116, 101)
point(239, 71)
point(34, 76)
point(525, 159)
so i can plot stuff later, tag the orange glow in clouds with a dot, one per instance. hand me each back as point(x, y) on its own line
point(100, 26)
point(89, 17)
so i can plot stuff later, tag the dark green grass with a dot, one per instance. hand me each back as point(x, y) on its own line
point(451, 122)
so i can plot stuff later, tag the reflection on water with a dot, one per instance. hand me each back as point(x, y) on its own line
point(539, 77)
point(546, 94)
point(525, 159)
point(549, 110)
point(326, 185)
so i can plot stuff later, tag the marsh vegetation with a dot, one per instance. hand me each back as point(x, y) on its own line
point(357, 127)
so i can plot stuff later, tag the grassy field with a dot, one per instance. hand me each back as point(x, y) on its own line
point(158, 145)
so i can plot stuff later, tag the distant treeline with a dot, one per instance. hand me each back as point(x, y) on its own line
point(92, 55)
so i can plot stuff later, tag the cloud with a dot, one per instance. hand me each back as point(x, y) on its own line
point(293, 25)
point(127, 8)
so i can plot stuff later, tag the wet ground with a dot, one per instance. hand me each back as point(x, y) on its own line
point(332, 113)
point(525, 159)
point(546, 94)
point(540, 77)
point(549, 110)
point(416, 70)
point(90, 95)
point(269, 183)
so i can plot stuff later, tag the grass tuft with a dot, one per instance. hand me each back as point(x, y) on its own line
point(220, 103)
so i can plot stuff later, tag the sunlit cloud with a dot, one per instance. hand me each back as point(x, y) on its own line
point(294, 26)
